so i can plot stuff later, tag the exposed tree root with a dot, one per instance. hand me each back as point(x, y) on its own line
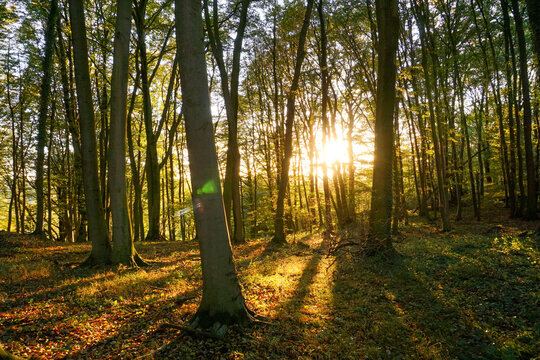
point(364, 247)
point(4, 355)
point(380, 248)
point(154, 238)
point(135, 261)
point(193, 331)
point(139, 261)
point(92, 262)
point(40, 235)
point(278, 240)
point(257, 318)
point(215, 326)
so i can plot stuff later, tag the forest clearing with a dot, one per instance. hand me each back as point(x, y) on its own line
point(468, 294)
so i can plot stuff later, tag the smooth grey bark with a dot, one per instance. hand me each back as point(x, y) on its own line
point(43, 110)
point(381, 194)
point(123, 248)
point(137, 212)
point(222, 302)
point(97, 228)
point(152, 165)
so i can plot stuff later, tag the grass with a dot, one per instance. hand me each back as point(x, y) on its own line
point(468, 294)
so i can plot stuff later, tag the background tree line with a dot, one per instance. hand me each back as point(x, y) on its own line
point(294, 96)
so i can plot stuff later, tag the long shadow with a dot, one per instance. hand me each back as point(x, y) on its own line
point(49, 286)
point(289, 317)
point(140, 331)
point(497, 281)
point(40, 322)
point(290, 328)
point(272, 249)
point(392, 313)
point(291, 308)
point(54, 289)
point(136, 320)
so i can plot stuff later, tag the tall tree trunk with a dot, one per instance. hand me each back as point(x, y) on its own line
point(530, 213)
point(463, 120)
point(231, 184)
point(533, 10)
point(495, 87)
point(43, 110)
point(222, 303)
point(152, 165)
point(435, 124)
point(324, 115)
point(49, 184)
point(123, 248)
point(14, 148)
point(97, 228)
point(381, 193)
point(279, 232)
point(137, 214)
point(513, 139)
point(69, 107)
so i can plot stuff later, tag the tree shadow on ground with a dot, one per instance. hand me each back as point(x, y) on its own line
point(400, 310)
point(55, 313)
point(280, 340)
point(140, 333)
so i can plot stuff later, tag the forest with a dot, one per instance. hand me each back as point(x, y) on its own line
point(269, 179)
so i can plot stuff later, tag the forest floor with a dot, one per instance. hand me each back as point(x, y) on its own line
point(469, 294)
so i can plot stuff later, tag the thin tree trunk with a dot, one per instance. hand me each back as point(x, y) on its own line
point(324, 114)
point(47, 65)
point(97, 228)
point(435, 130)
point(231, 184)
point(123, 247)
point(279, 232)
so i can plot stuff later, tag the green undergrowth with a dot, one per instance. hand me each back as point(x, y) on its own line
point(468, 294)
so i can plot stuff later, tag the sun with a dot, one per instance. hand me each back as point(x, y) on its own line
point(335, 152)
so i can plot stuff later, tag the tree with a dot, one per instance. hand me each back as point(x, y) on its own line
point(527, 115)
point(435, 115)
point(231, 184)
point(381, 193)
point(97, 228)
point(533, 9)
point(279, 232)
point(222, 301)
point(324, 105)
point(4, 355)
point(152, 164)
point(124, 250)
point(43, 111)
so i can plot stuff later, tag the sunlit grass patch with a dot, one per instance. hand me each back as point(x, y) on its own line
point(26, 270)
point(449, 296)
point(129, 283)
